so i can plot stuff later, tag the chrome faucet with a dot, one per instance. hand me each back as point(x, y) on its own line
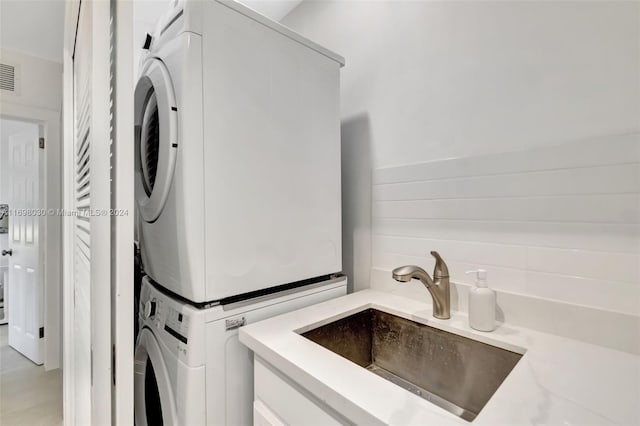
point(438, 287)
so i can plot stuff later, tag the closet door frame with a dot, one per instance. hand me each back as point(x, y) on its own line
point(72, 10)
point(110, 305)
point(122, 225)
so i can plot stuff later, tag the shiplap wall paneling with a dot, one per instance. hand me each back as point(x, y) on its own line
point(561, 222)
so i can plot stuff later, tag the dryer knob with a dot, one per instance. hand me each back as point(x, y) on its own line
point(147, 41)
point(149, 309)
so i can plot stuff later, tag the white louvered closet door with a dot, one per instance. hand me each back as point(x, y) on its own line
point(91, 223)
point(81, 225)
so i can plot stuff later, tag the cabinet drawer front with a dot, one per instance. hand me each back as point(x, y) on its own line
point(263, 416)
point(285, 401)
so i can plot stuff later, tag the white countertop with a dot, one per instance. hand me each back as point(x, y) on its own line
point(558, 381)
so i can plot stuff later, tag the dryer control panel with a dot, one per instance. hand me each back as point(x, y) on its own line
point(177, 324)
point(167, 318)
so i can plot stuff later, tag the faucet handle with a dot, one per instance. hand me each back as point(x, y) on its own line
point(441, 269)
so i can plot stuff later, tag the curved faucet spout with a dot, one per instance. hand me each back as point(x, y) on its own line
point(438, 286)
point(409, 272)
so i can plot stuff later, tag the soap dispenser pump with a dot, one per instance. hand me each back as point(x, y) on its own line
point(482, 303)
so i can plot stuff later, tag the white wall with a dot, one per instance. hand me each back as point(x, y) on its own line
point(453, 79)
point(505, 135)
point(34, 27)
point(38, 81)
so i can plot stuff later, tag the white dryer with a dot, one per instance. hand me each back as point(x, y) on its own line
point(191, 369)
point(237, 154)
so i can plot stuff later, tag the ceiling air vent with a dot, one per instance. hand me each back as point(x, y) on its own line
point(7, 77)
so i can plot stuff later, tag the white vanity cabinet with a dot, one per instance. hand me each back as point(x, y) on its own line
point(280, 401)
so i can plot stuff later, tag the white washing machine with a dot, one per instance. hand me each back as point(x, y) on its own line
point(238, 153)
point(191, 369)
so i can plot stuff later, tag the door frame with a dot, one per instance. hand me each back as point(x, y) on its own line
point(111, 310)
point(50, 250)
point(72, 10)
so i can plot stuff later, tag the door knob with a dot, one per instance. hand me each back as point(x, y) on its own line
point(149, 309)
point(7, 252)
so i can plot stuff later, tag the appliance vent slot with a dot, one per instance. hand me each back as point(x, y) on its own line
point(150, 143)
point(7, 77)
point(152, 148)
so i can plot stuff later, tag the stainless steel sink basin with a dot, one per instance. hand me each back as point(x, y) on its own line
point(451, 371)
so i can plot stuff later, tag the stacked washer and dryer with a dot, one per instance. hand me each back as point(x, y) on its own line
point(238, 201)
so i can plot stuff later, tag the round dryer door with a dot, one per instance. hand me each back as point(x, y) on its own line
point(156, 138)
point(154, 400)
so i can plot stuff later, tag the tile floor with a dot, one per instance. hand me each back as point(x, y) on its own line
point(29, 396)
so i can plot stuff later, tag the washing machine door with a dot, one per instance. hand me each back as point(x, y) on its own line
point(156, 138)
point(154, 400)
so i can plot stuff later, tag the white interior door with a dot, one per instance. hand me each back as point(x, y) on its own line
point(26, 291)
point(81, 227)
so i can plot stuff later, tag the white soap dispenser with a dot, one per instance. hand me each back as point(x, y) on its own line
point(482, 303)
